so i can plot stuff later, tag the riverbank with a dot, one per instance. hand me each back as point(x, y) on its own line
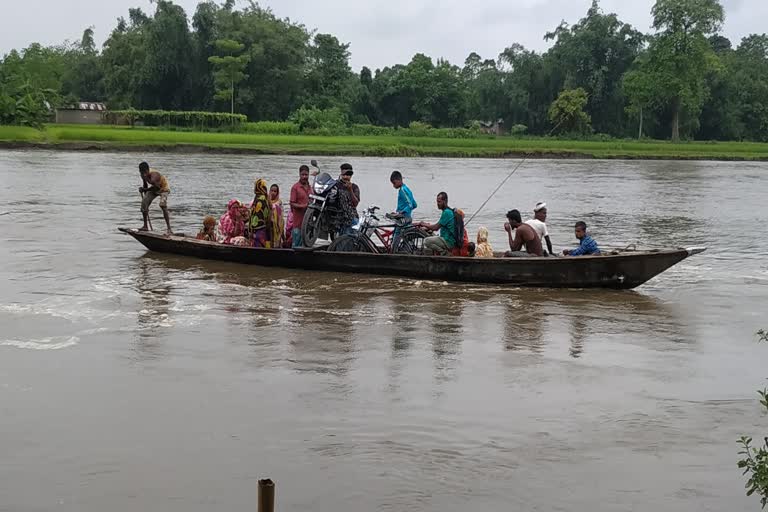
point(95, 138)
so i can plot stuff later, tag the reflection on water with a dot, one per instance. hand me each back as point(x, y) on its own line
point(361, 393)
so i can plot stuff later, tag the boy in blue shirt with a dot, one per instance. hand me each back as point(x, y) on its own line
point(405, 201)
point(587, 245)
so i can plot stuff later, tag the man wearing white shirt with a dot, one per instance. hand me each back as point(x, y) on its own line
point(539, 224)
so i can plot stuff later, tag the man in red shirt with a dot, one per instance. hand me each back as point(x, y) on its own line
point(299, 201)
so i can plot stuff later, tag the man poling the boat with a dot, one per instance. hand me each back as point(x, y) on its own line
point(154, 185)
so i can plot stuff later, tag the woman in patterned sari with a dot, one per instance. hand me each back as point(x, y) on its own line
point(260, 223)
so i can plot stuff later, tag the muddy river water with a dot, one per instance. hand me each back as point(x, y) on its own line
point(134, 381)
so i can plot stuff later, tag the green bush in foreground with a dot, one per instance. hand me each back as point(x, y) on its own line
point(755, 459)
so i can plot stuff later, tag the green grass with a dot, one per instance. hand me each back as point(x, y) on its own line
point(20, 133)
point(123, 137)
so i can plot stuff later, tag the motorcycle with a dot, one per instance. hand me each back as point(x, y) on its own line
point(323, 214)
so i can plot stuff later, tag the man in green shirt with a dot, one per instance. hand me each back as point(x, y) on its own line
point(442, 244)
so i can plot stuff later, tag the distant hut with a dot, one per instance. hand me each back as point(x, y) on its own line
point(492, 127)
point(81, 113)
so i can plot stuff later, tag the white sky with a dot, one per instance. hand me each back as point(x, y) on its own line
point(381, 32)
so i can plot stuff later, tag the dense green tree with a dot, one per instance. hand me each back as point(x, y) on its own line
point(122, 61)
point(567, 113)
point(83, 79)
point(228, 69)
point(680, 55)
point(206, 33)
point(278, 51)
point(166, 73)
point(329, 81)
point(594, 54)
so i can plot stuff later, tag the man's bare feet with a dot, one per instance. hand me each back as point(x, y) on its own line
point(143, 228)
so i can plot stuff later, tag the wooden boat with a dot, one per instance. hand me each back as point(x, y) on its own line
point(623, 270)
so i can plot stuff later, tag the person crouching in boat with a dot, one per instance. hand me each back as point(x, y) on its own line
point(208, 233)
point(526, 236)
point(587, 245)
point(260, 223)
point(441, 245)
point(232, 224)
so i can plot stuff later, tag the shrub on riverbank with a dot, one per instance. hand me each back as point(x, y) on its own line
point(182, 119)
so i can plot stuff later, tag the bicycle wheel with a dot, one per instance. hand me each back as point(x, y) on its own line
point(410, 241)
point(351, 243)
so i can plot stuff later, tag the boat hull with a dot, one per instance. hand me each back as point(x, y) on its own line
point(621, 271)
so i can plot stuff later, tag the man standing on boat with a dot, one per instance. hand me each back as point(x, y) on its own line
point(349, 198)
point(405, 201)
point(441, 245)
point(539, 224)
point(154, 185)
point(525, 236)
point(299, 202)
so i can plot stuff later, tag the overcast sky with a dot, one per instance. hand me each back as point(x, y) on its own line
point(381, 32)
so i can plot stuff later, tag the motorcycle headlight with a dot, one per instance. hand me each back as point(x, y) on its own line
point(318, 188)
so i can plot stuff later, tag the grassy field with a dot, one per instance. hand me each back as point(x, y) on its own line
point(110, 137)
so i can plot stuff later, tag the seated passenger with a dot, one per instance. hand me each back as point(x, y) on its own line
point(441, 245)
point(208, 233)
point(483, 249)
point(232, 224)
point(465, 249)
point(587, 245)
point(526, 236)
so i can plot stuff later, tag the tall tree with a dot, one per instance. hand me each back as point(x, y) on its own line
point(122, 61)
point(229, 66)
point(206, 33)
point(680, 55)
point(329, 76)
point(594, 54)
point(166, 74)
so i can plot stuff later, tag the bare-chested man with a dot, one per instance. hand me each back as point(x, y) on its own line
point(155, 185)
point(526, 236)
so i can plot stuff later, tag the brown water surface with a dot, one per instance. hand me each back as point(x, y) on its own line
point(132, 381)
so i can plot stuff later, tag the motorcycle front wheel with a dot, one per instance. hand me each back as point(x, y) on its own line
point(310, 227)
point(351, 243)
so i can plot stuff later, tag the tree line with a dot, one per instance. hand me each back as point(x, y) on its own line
point(600, 76)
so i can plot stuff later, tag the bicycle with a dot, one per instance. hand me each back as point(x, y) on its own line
point(399, 237)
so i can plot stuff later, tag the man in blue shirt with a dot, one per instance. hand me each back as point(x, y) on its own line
point(405, 201)
point(587, 245)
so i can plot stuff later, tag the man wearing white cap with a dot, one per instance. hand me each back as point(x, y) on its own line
point(539, 224)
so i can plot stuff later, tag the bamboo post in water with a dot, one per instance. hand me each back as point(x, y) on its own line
point(266, 495)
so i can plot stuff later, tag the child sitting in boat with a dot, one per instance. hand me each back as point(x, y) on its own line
point(208, 233)
point(483, 248)
point(587, 245)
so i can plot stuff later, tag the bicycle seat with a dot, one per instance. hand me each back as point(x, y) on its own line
point(399, 219)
